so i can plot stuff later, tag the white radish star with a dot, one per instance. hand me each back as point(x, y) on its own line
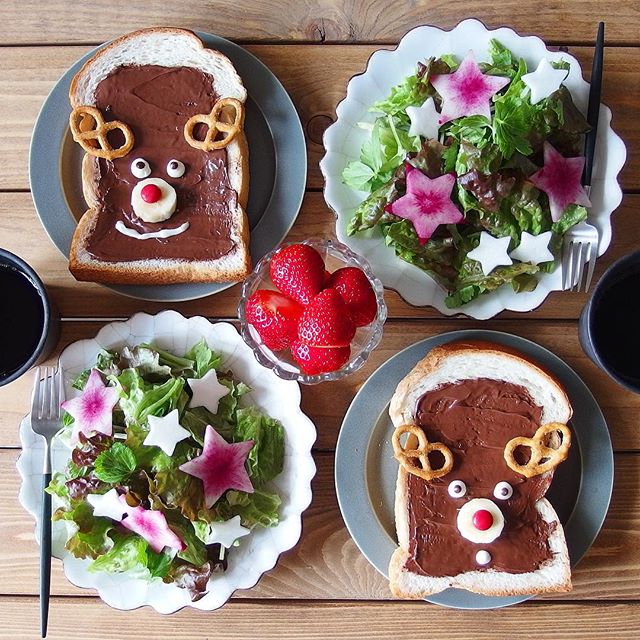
point(108, 505)
point(544, 80)
point(533, 249)
point(207, 391)
point(491, 252)
point(165, 432)
point(424, 120)
point(226, 533)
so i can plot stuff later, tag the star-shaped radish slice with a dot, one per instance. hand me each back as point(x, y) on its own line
point(165, 432)
point(560, 178)
point(220, 466)
point(467, 91)
point(226, 533)
point(152, 526)
point(533, 249)
point(427, 203)
point(544, 80)
point(108, 505)
point(207, 391)
point(92, 410)
point(424, 120)
point(491, 252)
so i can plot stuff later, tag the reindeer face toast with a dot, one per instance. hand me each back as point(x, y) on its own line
point(166, 167)
point(475, 466)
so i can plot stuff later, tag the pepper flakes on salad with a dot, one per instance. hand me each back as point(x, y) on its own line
point(157, 485)
point(503, 151)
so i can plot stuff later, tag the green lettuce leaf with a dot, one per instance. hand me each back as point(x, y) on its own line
point(90, 539)
point(205, 358)
point(257, 508)
point(116, 464)
point(266, 458)
point(371, 210)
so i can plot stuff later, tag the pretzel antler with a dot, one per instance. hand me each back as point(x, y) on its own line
point(90, 130)
point(544, 456)
point(409, 458)
point(216, 122)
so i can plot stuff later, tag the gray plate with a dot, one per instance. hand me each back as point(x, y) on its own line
point(366, 470)
point(277, 167)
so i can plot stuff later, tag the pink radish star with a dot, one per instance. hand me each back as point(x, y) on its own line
point(427, 203)
point(152, 526)
point(560, 178)
point(467, 91)
point(220, 466)
point(92, 410)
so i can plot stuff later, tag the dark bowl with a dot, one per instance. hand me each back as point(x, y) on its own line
point(50, 329)
point(588, 330)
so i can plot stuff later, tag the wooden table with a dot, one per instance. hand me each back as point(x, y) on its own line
point(323, 588)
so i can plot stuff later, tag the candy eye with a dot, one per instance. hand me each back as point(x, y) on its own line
point(175, 169)
point(457, 489)
point(140, 168)
point(503, 491)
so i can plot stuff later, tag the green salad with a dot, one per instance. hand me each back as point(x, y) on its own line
point(496, 159)
point(169, 470)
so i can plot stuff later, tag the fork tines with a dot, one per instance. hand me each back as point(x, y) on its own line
point(579, 255)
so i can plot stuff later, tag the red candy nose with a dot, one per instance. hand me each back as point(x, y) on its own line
point(150, 193)
point(482, 520)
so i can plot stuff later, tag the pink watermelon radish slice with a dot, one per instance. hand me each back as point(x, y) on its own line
point(152, 526)
point(220, 466)
point(92, 410)
point(560, 179)
point(467, 91)
point(427, 203)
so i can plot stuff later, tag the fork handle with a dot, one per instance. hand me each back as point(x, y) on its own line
point(45, 555)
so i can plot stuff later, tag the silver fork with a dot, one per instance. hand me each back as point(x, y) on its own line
point(580, 250)
point(48, 394)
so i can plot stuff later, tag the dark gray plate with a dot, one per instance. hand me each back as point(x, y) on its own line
point(366, 470)
point(277, 167)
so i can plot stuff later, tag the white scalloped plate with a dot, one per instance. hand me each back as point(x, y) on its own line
point(343, 139)
point(279, 398)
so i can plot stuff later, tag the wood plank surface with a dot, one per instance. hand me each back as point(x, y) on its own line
point(27, 74)
point(324, 21)
point(88, 619)
point(326, 564)
point(327, 403)
point(22, 233)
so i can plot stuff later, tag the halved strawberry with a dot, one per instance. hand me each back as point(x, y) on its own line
point(356, 290)
point(326, 322)
point(274, 316)
point(315, 360)
point(298, 271)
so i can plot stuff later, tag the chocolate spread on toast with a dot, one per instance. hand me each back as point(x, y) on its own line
point(156, 102)
point(475, 419)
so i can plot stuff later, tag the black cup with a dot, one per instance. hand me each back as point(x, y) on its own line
point(29, 324)
point(609, 327)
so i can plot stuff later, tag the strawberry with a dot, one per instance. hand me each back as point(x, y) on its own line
point(325, 322)
point(356, 290)
point(298, 271)
point(274, 316)
point(314, 360)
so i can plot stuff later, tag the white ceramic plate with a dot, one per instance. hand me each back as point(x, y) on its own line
point(279, 398)
point(344, 138)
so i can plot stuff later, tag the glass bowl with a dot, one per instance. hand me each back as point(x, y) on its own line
point(366, 339)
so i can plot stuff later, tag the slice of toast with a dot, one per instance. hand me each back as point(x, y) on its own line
point(451, 364)
point(171, 49)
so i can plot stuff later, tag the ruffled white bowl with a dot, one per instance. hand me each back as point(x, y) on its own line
point(279, 398)
point(343, 139)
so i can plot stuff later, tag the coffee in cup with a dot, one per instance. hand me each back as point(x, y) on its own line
point(28, 324)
